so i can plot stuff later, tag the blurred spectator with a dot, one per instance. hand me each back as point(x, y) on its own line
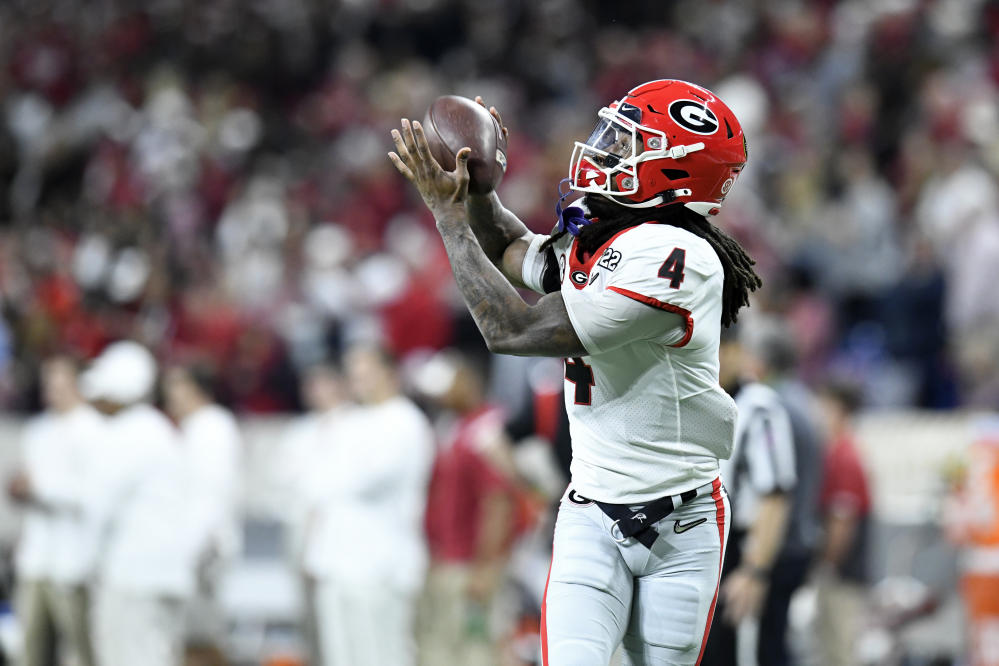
point(305, 443)
point(472, 517)
point(212, 445)
point(56, 555)
point(971, 519)
point(760, 476)
point(771, 343)
point(845, 506)
point(959, 213)
point(144, 508)
point(366, 545)
point(212, 177)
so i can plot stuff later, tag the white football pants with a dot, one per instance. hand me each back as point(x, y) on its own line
point(363, 625)
point(132, 629)
point(657, 604)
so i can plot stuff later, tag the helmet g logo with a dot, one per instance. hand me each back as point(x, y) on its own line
point(693, 116)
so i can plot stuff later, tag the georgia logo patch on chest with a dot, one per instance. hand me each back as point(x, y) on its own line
point(582, 274)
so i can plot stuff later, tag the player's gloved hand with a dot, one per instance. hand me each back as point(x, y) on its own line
point(443, 191)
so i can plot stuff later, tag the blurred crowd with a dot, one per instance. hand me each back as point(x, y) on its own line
point(210, 177)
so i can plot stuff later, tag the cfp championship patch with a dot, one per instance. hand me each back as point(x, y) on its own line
point(610, 259)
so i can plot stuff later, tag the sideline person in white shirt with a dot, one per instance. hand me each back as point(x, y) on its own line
point(303, 444)
point(212, 446)
point(56, 554)
point(366, 545)
point(149, 545)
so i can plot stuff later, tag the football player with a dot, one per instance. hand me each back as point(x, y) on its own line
point(638, 284)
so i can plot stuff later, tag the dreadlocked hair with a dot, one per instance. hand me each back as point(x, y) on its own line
point(740, 278)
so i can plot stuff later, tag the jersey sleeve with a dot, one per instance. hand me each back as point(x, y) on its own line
point(608, 320)
point(540, 271)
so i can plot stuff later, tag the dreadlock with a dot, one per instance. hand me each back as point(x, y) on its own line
point(740, 278)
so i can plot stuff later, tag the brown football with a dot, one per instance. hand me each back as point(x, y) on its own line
point(454, 122)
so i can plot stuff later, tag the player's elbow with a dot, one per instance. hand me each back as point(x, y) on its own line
point(532, 331)
point(506, 339)
point(500, 343)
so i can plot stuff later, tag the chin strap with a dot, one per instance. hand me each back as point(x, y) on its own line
point(658, 200)
point(570, 219)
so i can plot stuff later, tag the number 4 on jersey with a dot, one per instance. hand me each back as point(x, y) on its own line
point(672, 268)
point(581, 375)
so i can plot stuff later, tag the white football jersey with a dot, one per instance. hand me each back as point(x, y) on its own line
point(646, 414)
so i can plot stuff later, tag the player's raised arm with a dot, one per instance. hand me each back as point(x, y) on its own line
point(507, 323)
point(503, 237)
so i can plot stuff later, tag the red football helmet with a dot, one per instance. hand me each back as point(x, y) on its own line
point(666, 141)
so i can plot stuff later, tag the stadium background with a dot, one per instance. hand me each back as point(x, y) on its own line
point(209, 177)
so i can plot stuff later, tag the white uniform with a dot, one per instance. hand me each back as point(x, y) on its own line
point(57, 551)
point(647, 419)
point(57, 542)
point(302, 448)
point(212, 446)
point(366, 545)
point(144, 502)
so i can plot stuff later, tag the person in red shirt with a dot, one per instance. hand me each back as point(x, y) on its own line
point(471, 519)
point(845, 508)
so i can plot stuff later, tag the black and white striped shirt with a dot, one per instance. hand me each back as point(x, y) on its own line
point(762, 462)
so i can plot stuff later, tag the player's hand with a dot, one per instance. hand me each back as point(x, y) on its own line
point(743, 594)
point(495, 114)
point(441, 190)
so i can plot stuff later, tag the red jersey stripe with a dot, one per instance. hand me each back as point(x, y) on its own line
point(544, 613)
point(668, 307)
point(720, 519)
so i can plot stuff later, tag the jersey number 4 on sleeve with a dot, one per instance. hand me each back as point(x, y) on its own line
point(581, 375)
point(672, 268)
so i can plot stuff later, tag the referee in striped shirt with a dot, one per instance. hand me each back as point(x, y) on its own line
point(760, 477)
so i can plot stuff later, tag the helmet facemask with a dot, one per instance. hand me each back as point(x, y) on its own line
point(607, 163)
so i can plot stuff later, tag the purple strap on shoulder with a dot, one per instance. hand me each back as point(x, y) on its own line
point(570, 219)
